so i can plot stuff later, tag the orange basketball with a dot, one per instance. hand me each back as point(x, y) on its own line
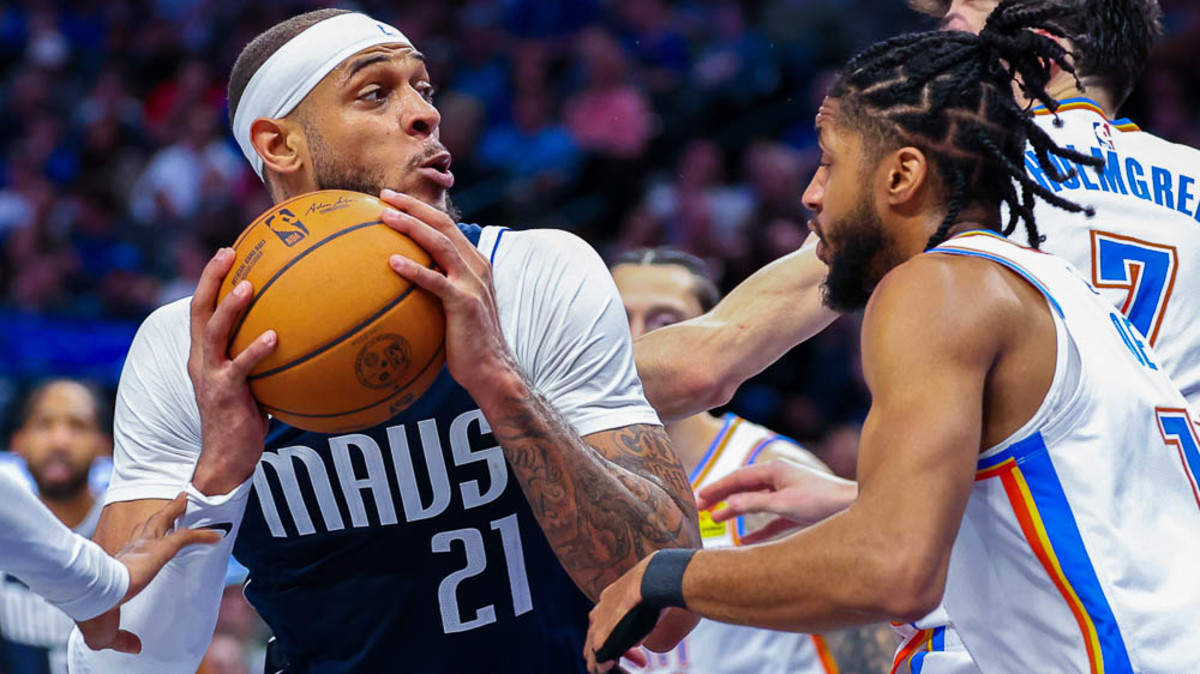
point(357, 342)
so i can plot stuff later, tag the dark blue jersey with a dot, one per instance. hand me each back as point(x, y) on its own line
point(406, 547)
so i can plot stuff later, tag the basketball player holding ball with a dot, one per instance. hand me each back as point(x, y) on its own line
point(467, 533)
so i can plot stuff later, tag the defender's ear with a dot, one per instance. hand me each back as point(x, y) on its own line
point(907, 172)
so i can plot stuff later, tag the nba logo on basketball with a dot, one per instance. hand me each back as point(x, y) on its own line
point(285, 225)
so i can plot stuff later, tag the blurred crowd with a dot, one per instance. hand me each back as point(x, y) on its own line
point(631, 122)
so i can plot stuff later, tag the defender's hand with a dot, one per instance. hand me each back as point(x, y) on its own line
point(798, 495)
point(148, 550)
point(476, 352)
point(233, 427)
point(619, 610)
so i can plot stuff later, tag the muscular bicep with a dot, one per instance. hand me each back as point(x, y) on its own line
point(117, 521)
point(645, 451)
point(929, 341)
point(697, 364)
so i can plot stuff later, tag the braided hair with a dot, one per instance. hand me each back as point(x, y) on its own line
point(950, 94)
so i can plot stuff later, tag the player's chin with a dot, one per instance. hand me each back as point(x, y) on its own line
point(427, 191)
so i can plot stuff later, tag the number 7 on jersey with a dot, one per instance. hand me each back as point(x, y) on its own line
point(1146, 271)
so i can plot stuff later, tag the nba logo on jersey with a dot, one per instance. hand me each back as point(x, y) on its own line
point(289, 230)
point(1104, 134)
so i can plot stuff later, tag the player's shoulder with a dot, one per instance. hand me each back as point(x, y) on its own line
point(933, 278)
point(951, 297)
point(550, 259)
point(551, 245)
point(164, 335)
point(1089, 127)
point(169, 320)
point(1152, 146)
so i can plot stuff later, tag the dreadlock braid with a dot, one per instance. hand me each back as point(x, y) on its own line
point(950, 94)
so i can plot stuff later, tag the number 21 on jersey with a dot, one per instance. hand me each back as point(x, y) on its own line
point(1144, 270)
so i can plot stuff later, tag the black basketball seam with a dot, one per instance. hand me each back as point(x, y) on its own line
point(340, 338)
point(291, 263)
point(417, 376)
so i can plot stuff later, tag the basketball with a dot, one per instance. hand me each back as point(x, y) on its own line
point(357, 343)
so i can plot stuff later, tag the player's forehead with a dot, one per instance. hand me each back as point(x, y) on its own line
point(651, 284)
point(384, 54)
point(64, 399)
point(831, 132)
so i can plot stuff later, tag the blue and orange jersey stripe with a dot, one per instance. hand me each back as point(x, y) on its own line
point(739, 524)
point(715, 449)
point(913, 651)
point(1044, 515)
point(1081, 103)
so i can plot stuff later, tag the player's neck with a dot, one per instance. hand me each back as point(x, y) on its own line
point(1062, 87)
point(692, 436)
point(72, 509)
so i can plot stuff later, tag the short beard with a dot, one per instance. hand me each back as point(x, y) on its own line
point(861, 257)
point(331, 172)
point(62, 491)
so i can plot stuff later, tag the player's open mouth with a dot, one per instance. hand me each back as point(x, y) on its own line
point(436, 169)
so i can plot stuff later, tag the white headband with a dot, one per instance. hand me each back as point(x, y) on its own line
point(299, 65)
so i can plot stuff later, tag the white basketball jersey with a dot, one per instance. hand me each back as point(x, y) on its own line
point(718, 648)
point(1142, 247)
point(1079, 545)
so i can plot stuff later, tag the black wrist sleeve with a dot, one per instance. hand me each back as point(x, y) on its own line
point(662, 584)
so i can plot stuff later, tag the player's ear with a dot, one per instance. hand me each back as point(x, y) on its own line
point(280, 143)
point(907, 173)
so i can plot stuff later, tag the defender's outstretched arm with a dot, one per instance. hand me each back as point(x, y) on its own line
point(698, 364)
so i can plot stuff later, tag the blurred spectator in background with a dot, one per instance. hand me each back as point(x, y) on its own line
point(653, 34)
point(59, 439)
point(196, 171)
point(609, 116)
point(535, 152)
point(697, 212)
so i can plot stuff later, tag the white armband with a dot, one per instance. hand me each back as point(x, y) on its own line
point(222, 513)
point(175, 640)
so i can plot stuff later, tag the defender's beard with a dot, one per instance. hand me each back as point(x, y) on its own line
point(860, 257)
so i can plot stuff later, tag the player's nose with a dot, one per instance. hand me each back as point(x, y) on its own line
point(421, 118)
point(813, 195)
point(61, 436)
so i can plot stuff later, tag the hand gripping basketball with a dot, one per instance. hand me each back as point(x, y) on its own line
point(232, 426)
point(476, 353)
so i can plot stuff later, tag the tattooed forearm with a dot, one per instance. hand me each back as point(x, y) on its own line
point(604, 503)
point(863, 650)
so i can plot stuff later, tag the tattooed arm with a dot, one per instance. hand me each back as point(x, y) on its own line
point(604, 501)
point(864, 649)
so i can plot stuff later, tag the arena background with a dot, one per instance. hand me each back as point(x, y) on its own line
point(630, 122)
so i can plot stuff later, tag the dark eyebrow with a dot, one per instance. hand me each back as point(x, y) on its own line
point(371, 60)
